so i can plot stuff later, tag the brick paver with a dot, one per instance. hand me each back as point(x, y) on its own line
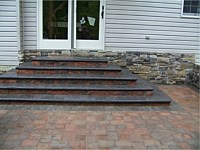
point(103, 126)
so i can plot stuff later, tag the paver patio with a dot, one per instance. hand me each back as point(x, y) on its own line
point(103, 126)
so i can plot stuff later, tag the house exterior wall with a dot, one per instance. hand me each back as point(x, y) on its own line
point(9, 45)
point(147, 25)
point(133, 25)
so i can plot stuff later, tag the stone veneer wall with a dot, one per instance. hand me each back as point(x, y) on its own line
point(194, 76)
point(160, 68)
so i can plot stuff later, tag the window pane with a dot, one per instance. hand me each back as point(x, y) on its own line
point(191, 6)
point(195, 3)
point(55, 19)
point(198, 10)
point(194, 9)
point(88, 19)
point(186, 9)
point(187, 2)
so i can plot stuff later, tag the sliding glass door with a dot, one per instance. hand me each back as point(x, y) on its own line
point(66, 24)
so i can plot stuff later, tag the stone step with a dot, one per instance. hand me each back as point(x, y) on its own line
point(69, 61)
point(111, 70)
point(42, 79)
point(126, 78)
point(94, 90)
point(157, 98)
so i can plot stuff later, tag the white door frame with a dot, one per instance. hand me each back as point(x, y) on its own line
point(52, 43)
point(67, 44)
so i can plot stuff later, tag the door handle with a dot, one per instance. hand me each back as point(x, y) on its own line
point(102, 12)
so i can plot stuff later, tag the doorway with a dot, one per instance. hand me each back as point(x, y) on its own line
point(67, 24)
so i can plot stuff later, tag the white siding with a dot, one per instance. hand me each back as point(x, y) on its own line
point(9, 46)
point(130, 22)
point(29, 24)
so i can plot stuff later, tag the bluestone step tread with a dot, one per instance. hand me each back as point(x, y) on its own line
point(124, 76)
point(68, 78)
point(141, 84)
point(109, 68)
point(158, 97)
point(69, 59)
point(123, 73)
point(19, 86)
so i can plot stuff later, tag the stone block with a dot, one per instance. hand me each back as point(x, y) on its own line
point(66, 52)
point(154, 68)
point(122, 63)
point(141, 68)
point(143, 76)
point(153, 56)
point(163, 60)
point(163, 68)
point(137, 59)
point(153, 65)
point(154, 74)
point(189, 59)
point(175, 64)
point(181, 73)
point(129, 62)
point(171, 72)
point(111, 54)
point(143, 56)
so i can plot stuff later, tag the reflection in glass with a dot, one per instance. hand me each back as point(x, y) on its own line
point(55, 19)
point(88, 19)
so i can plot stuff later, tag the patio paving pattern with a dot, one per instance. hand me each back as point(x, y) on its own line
point(103, 126)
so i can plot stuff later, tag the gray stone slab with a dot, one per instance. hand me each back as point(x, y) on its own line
point(71, 59)
point(125, 76)
point(28, 66)
point(19, 86)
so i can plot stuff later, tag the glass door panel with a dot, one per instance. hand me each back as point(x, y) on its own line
point(87, 20)
point(89, 24)
point(55, 19)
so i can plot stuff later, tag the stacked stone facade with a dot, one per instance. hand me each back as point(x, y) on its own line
point(159, 68)
point(194, 76)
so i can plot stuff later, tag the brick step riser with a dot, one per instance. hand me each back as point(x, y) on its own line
point(71, 64)
point(78, 92)
point(77, 81)
point(69, 72)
